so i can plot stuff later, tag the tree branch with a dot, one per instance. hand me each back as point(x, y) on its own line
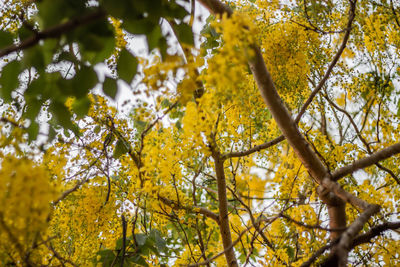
point(253, 149)
point(367, 161)
point(223, 209)
point(222, 252)
point(341, 250)
point(54, 32)
point(195, 209)
point(374, 232)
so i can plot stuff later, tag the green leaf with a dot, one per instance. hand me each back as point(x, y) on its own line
point(39, 56)
point(116, 9)
point(33, 130)
point(80, 84)
point(34, 57)
point(290, 251)
point(139, 260)
point(175, 11)
point(38, 87)
point(184, 33)
point(110, 87)
point(97, 129)
point(96, 41)
point(81, 106)
point(139, 126)
point(139, 26)
point(53, 12)
point(61, 114)
point(24, 33)
point(66, 56)
point(153, 38)
point(32, 108)
point(6, 39)
point(52, 133)
point(9, 79)
point(160, 243)
point(108, 46)
point(140, 239)
point(48, 9)
point(127, 66)
point(120, 149)
point(106, 257)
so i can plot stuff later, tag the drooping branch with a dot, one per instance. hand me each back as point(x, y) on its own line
point(362, 139)
point(307, 226)
point(316, 168)
point(54, 32)
point(287, 125)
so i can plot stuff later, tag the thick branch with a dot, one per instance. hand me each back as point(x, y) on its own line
point(367, 161)
point(54, 32)
point(223, 210)
point(344, 195)
point(341, 250)
point(374, 232)
point(210, 260)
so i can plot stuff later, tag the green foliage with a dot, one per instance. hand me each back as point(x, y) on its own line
point(9, 79)
point(6, 39)
point(110, 87)
point(81, 35)
point(127, 66)
point(135, 249)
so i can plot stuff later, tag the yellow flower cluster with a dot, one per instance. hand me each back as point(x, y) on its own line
point(26, 191)
point(227, 68)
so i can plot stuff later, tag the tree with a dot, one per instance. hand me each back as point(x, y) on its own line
point(274, 143)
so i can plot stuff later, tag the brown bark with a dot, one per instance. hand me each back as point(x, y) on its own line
point(223, 211)
point(367, 161)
